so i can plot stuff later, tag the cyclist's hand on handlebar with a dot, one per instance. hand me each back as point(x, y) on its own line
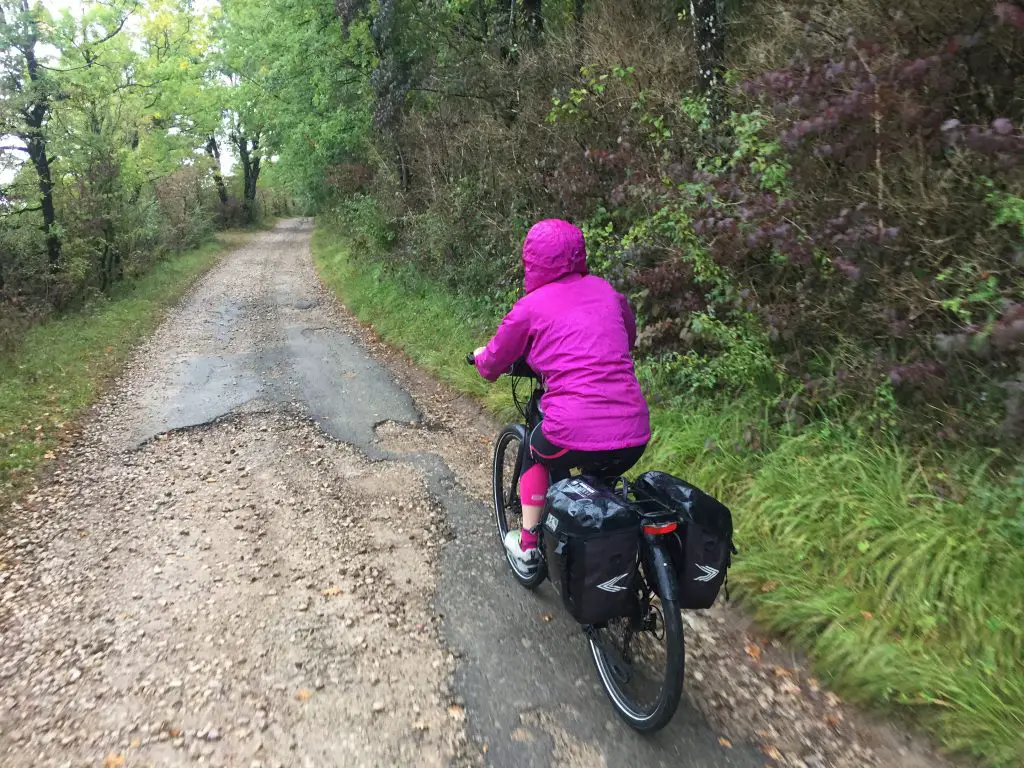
point(472, 356)
point(469, 358)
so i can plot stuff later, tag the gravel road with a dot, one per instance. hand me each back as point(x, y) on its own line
point(271, 547)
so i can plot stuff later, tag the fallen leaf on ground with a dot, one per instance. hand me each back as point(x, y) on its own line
point(113, 760)
point(772, 753)
point(455, 712)
point(769, 586)
point(546, 616)
point(782, 672)
point(753, 651)
point(833, 720)
point(867, 615)
point(331, 591)
point(304, 694)
point(725, 742)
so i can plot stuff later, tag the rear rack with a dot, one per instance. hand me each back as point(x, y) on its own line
point(651, 510)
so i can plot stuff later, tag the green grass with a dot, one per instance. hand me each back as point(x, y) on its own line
point(62, 364)
point(907, 599)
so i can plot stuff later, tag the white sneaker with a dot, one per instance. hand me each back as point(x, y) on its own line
point(525, 559)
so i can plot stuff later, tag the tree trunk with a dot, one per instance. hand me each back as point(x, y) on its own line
point(37, 152)
point(709, 40)
point(35, 116)
point(243, 154)
point(214, 152)
point(248, 150)
point(403, 167)
point(578, 7)
point(533, 18)
point(578, 10)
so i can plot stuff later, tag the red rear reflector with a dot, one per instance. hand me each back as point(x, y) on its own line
point(660, 528)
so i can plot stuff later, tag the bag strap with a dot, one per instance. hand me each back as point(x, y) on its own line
point(564, 550)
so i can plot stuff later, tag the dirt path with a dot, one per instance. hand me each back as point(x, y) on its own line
point(271, 547)
point(249, 591)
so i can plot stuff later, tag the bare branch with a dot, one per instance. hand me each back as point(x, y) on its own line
point(34, 209)
point(115, 32)
point(456, 94)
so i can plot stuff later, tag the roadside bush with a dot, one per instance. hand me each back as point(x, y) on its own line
point(854, 225)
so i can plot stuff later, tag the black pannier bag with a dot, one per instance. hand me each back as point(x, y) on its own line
point(702, 545)
point(591, 543)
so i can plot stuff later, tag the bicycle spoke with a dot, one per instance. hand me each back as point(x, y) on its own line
point(636, 654)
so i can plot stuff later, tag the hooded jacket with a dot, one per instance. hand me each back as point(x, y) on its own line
point(576, 332)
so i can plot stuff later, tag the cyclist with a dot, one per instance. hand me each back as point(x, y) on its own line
point(576, 332)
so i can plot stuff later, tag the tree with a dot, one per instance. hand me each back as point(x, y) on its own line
point(214, 152)
point(21, 28)
point(533, 18)
point(101, 117)
point(709, 41)
point(247, 143)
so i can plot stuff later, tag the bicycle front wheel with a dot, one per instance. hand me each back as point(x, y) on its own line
point(508, 509)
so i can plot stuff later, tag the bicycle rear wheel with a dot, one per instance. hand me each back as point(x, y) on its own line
point(508, 510)
point(641, 664)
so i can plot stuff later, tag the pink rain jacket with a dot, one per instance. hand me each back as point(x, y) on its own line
point(576, 332)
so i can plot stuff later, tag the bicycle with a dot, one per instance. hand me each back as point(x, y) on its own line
point(631, 653)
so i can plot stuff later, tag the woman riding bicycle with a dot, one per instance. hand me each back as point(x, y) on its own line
point(576, 332)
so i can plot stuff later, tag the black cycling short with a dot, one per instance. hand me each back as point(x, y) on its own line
point(605, 464)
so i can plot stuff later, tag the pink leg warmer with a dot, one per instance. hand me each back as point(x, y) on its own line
point(533, 486)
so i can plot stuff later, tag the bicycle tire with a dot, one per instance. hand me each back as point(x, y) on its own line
point(509, 435)
point(656, 717)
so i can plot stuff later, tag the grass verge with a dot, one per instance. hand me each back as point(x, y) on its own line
point(62, 364)
point(906, 597)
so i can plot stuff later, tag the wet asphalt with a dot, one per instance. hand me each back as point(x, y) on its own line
point(529, 688)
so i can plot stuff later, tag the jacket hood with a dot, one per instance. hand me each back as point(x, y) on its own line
point(553, 249)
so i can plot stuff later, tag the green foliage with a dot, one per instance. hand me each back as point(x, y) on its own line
point(301, 86)
point(1009, 211)
point(128, 117)
point(743, 362)
point(594, 85)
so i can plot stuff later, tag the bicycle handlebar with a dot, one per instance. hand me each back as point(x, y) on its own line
point(519, 368)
